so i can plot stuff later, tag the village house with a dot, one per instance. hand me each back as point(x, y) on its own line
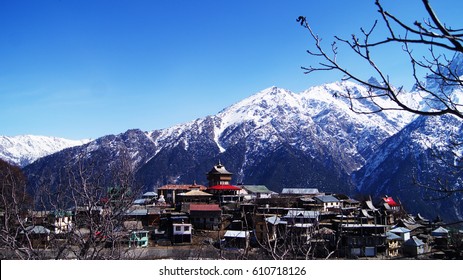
point(38, 235)
point(237, 239)
point(181, 233)
point(170, 192)
point(310, 192)
point(147, 198)
point(253, 192)
point(403, 233)
point(393, 244)
point(139, 238)
point(268, 227)
point(413, 247)
point(62, 221)
point(204, 216)
point(327, 202)
point(440, 237)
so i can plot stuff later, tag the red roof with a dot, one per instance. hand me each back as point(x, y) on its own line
point(390, 201)
point(204, 207)
point(224, 188)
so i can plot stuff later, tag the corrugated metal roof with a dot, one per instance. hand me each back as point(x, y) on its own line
point(326, 198)
point(139, 201)
point(256, 188)
point(37, 230)
point(440, 230)
point(204, 207)
point(182, 187)
point(236, 234)
point(300, 191)
point(414, 242)
point(275, 220)
point(136, 212)
point(150, 194)
point(400, 230)
point(392, 236)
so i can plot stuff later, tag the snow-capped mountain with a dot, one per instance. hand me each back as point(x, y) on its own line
point(417, 165)
point(25, 149)
point(274, 137)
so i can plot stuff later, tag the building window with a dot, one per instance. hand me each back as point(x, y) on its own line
point(178, 228)
point(187, 228)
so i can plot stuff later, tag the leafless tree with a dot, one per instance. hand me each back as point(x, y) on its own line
point(435, 73)
point(15, 241)
point(444, 45)
point(82, 209)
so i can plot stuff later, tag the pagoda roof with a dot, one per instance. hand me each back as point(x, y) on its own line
point(219, 169)
point(195, 193)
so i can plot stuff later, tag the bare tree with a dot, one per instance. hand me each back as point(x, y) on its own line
point(15, 241)
point(444, 46)
point(437, 74)
point(86, 204)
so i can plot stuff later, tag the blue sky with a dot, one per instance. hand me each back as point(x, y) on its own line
point(87, 68)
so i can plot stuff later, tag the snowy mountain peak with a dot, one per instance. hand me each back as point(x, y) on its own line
point(25, 149)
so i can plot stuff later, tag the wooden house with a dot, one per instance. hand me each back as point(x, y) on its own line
point(204, 216)
point(441, 237)
point(38, 235)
